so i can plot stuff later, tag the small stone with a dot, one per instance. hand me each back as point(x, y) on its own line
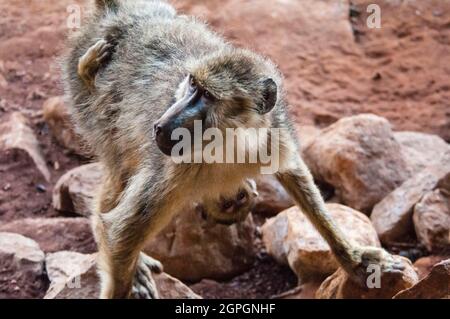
point(56, 115)
point(41, 188)
point(432, 220)
point(16, 133)
point(74, 191)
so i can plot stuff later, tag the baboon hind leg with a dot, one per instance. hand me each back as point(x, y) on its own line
point(120, 230)
point(125, 272)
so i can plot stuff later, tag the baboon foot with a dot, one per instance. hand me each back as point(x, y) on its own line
point(89, 64)
point(144, 286)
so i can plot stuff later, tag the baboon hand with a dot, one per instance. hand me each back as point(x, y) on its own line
point(369, 258)
point(144, 286)
point(89, 64)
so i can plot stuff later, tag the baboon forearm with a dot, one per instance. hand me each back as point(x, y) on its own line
point(299, 183)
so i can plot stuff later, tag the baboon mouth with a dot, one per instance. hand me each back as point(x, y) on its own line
point(166, 146)
point(166, 150)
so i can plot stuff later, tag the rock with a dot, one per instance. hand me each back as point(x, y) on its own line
point(171, 288)
point(392, 217)
point(444, 183)
point(74, 276)
point(21, 267)
point(58, 119)
point(63, 264)
point(291, 239)
point(55, 234)
point(306, 135)
point(421, 150)
point(83, 283)
point(3, 82)
point(272, 197)
point(16, 134)
point(424, 265)
point(435, 285)
point(75, 190)
point(214, 252)
point(305, 291)
point(339, 286)
point(432, 220)
point(359, 157)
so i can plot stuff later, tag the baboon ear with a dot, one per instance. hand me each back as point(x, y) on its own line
point(269, 96)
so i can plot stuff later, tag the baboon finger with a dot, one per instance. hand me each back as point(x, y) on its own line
point(153, 264)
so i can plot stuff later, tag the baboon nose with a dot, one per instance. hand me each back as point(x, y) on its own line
point(157, 129)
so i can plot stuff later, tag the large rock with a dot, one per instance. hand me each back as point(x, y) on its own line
point(75, 190)
point(55, 234)
point(291, 239)
point(339, 286)
point(22, 272)
point(272, 197)
point(435, 285)
point(421, 150)
point(432, 220)
point(359, 157)
point(392, 217)
point(306, 135)
point(15, 133)
point(58, 119)
point(74, 276)
point(191, 249)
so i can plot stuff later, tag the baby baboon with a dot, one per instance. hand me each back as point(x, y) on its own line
point(232, 209)
point(135, 73)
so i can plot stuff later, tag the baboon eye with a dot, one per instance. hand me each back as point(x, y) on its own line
point(241, 195)
point(207, 95)
point(227, 205)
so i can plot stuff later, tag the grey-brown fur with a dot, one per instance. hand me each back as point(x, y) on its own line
point(117, 103)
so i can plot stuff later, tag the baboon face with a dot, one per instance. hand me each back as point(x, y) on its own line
point(222, 93)
point(192, 104)
point(231, 209)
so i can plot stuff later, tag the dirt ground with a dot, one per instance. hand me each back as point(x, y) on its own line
point(334, 66)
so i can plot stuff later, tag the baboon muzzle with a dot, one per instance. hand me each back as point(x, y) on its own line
point(181, 114)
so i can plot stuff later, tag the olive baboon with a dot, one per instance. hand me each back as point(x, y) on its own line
point(137, 71)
